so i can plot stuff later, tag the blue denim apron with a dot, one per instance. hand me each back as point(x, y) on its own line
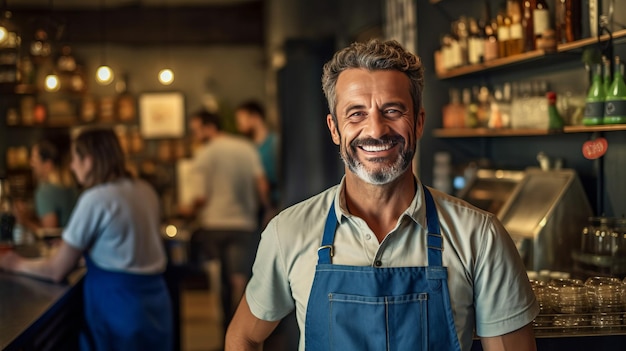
point(392, 308)
point(125, 311)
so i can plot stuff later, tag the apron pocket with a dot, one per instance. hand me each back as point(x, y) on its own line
point(364, 323)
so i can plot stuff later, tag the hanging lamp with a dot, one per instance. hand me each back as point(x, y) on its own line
point(166, 75)
point(104, 73)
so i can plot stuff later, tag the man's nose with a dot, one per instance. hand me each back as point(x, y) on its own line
point(377, 125)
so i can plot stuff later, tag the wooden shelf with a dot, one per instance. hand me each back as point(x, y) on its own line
point(526, 57)
point(484, 132)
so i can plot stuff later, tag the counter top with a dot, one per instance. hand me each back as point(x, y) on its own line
point(26, 302)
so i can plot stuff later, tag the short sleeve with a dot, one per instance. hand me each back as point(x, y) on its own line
point(268, 293)
point(85, 222)
point(504, 300)
point(45, 200)
point(257, 165)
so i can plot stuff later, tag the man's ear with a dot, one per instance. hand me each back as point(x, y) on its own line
point(332, 127)
point(419, 123)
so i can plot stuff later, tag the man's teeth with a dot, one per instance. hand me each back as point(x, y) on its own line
point(376, 148)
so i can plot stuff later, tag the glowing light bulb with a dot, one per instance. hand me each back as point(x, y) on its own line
point(166, 76)
point(4, 34)
point(104, 75)
point(171, 231)
point(52, 82)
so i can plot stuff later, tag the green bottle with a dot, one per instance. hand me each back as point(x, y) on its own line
point(555, 120)
point(606, 71)
point(615, 103)
point(594, 104)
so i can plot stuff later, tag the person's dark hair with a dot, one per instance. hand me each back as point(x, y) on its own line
point(103, 146)
point(208, 118)
point(374, 55)
point(54, 150)
point(253, 107)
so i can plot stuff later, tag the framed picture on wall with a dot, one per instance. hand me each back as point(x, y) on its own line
point(162, 115)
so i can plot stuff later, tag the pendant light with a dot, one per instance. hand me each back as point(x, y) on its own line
point(52, 82)
point(104, 73)
point(166, 75)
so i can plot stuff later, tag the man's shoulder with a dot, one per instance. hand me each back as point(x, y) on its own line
point(450, 203)
point(311, 209)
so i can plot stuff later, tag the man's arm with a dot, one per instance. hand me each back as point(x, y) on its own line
point(246, 332)
point(522, 339)
point(263, 189)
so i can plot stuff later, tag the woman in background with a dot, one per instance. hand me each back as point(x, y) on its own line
point(55, 193)
point(115, 225)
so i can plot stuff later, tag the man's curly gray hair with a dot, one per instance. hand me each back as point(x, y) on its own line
point(374, 55)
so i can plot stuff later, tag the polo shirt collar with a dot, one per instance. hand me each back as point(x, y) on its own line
point(416, 211)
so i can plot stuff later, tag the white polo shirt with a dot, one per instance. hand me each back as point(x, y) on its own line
point(487, 280)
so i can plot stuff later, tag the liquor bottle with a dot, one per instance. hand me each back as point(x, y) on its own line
point(454, 112)
point(476, 43)
point(615, 105)
point(503, 33)
point(471, 108)
point(491, 41)
point(516, 39)
point(462, 34)
point(456, 54)
point(541, 19)
point(555, 121)
point(568, 20)
point(594, 103)
point(607, 74)
point(527, 24)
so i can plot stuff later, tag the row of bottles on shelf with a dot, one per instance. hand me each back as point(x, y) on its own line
point(517, 105)
point(520, 26)
point(606, 98)
point(30, 110)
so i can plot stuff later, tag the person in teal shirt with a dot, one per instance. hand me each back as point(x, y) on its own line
point(55, 193)
point(251, 122)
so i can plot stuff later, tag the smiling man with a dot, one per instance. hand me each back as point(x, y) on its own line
point(381, 261)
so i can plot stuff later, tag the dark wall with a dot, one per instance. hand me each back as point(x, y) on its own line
point(310, 159)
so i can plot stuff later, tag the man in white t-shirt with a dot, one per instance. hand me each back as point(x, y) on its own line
point(227, 203)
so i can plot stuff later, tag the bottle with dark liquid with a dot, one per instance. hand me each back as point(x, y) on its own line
point(568, 20)
point(516, 31)
point(491, 42)
point(527, 24)
point(503, 33)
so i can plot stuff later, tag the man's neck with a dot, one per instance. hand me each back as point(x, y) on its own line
point(380, 206)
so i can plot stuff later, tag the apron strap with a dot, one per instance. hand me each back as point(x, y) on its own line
point(325, 252)
point(434, 242)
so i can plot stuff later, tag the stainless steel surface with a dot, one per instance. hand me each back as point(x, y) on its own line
point(489, 189)
point(544, 216)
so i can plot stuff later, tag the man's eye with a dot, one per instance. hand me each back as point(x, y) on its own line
point(357, 115)
point(393, 113)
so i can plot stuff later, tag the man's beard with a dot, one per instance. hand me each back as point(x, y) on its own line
point(384, 174)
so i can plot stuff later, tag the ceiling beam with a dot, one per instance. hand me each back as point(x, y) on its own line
point(240, 23)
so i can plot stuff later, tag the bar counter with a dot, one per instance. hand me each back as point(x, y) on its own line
point(39, 315)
